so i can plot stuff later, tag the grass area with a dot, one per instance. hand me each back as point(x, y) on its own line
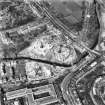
point(67, 8)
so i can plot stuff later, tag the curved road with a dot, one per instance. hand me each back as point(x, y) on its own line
point(71, 79)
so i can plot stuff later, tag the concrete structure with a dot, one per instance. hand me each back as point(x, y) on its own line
point(30, 94)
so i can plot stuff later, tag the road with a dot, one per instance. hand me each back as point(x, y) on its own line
point(70, 35)
point(71, 79)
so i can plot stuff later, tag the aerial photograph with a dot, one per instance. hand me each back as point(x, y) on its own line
point(52, 52)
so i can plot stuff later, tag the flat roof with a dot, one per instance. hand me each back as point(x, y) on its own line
point(18, 93)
